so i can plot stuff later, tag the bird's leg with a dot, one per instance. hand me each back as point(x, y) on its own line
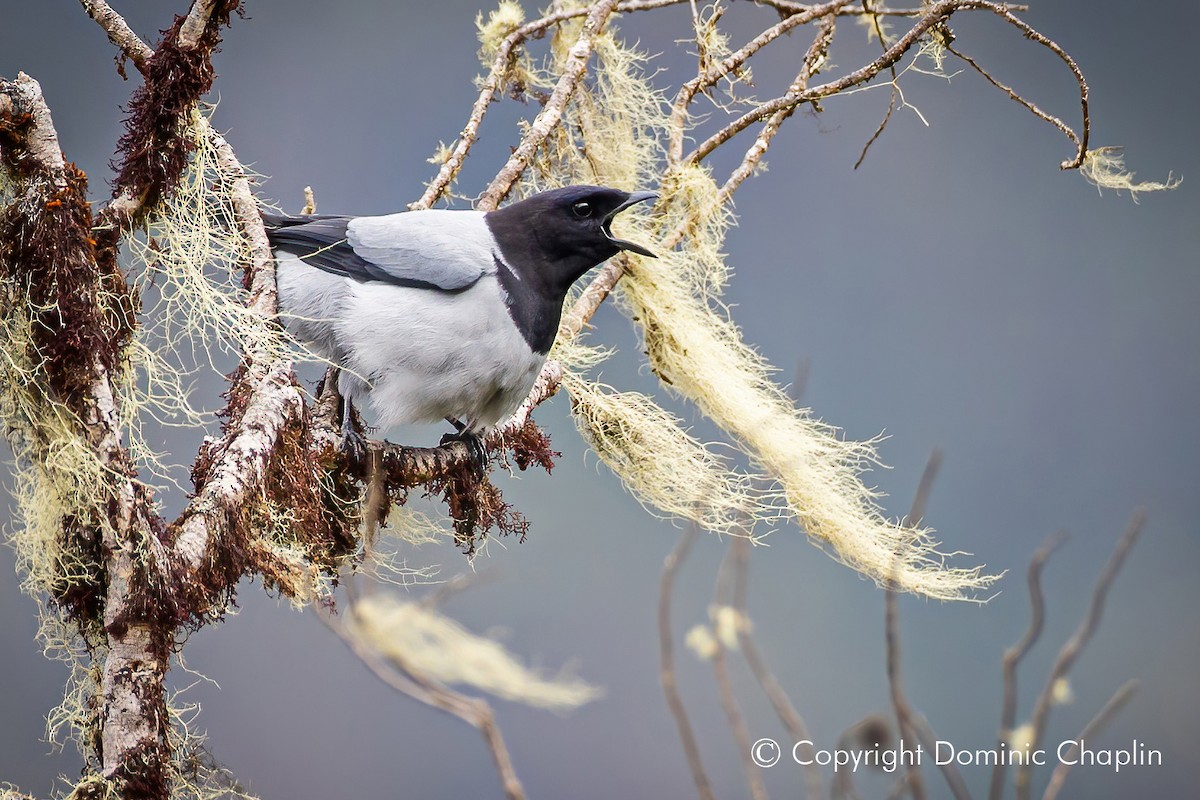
point(353, 443)
point(472, 440)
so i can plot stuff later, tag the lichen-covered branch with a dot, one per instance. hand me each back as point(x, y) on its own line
point(48, 248)
point(731, 65)
point(551, 113)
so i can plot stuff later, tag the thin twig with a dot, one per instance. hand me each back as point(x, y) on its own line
point(729, 65)
point(1014, 654)
point(900, 704)
point(905, 716)
point(1106, 713)
point(474, 711)
point(935, 14)
point(1034, 35)
point(912, 723)
point(739, 552)
point(1013, 95)
point(916, 511)
point(666, 657)
point(877, 26)
point(1074, 646)
point(818, 51)
point(722, 598)
point(551, 114)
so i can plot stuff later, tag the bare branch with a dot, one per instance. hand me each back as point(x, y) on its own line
point(474, 711)
point(1036, 36)
point(1012, 94)
point(728, 699)
point(739, 552)
point(1014, 654)
point(1074, 646)
point(119, 32)
point(666, 657)
point(1106, 713)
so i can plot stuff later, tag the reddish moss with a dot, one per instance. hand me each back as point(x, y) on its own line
point(81, 317)
point(80, 310)
point(151, 155)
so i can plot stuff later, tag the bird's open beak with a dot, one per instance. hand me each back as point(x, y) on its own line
point(634, 199)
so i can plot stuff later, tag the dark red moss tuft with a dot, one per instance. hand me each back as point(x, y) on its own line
point(528, 446)
point(151, 155)
point(82, 312)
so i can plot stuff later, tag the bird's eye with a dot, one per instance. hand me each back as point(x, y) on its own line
point(582, 209)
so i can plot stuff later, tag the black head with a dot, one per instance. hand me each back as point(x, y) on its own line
point(554, 237)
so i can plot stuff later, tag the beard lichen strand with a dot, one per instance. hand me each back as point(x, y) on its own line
point(697, 351)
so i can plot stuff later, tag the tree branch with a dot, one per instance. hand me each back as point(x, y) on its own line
point(551, 114)
point(933, 15)
point(474, 711)
point(134, 750)
point(666, 658)
point(1074, 646)
point(1013, 655)
point(119, 32)
point(1102, 718)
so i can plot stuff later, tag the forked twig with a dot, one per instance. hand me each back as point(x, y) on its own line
point(1074, 646)
point(474, 711)
point(739, 552)
point(722, 598)
point(666, 658)
point(1106, 713)
point(1014, 654)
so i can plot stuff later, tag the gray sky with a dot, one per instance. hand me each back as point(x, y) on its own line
point(958, 290)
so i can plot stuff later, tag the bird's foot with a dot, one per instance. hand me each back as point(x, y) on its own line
point(354, 445)
point(479, 455)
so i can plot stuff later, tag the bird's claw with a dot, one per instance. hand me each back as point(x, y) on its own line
point(474, 442)
point(354, 445)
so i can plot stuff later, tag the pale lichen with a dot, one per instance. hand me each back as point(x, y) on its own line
point(422, 641)
point(1104, 167)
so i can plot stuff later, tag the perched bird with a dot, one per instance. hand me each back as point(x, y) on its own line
point(441, 314)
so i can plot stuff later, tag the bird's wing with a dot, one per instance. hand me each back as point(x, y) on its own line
point(436, 249)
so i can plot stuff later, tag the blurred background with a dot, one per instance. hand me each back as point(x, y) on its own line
point(958, 290)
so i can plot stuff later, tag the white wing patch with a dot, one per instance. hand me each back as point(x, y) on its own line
point(449, 249)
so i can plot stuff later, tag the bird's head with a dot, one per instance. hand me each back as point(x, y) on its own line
point(564, 232)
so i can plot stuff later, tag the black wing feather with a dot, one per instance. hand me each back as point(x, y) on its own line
point(320, 240)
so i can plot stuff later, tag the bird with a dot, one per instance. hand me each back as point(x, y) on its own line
point(441, 314)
